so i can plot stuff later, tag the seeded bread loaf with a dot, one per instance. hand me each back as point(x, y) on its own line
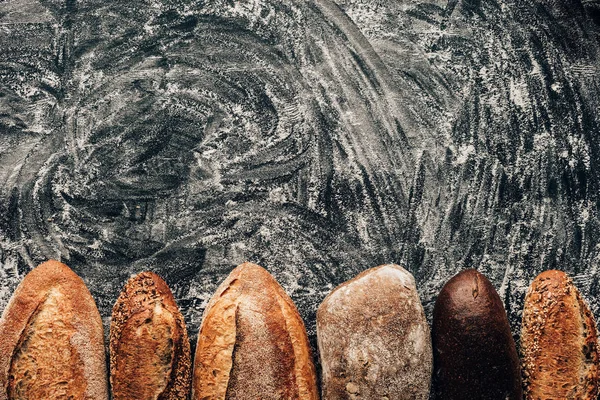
point(373, 338)
point(149, 347)
point(559, 341)
point(252, 343)
point(474, 352)
point(51, 339)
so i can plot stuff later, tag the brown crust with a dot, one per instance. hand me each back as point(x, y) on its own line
point(373, 338)
point(52, 324)
point(559, 341)
point(149, 346)
point(252, 342)
point(475, 356)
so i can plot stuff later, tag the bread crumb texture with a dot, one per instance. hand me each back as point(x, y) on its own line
point(149, 348)
point(558, 341)
point(252, 342)
point(373, 338)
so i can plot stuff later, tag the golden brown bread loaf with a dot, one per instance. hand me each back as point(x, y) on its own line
point(149, 347)
point(252, 343)
point(374, 340)
point(559, 341)
point(51, 339)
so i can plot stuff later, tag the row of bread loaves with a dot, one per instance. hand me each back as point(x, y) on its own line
point(373, 338)
point(374, 341)
point(252, 342)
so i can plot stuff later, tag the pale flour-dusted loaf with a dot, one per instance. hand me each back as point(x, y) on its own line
point(373, 338)
point(51, 339)
point(474, 351)
point(252, 343)
point(559, 341)
point(149, 347)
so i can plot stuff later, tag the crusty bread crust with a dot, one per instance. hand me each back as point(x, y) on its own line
point(51, 339)
point(475, 355)
point(374, 339)
point(149, 347)
point(559, 341)
point(252, 342)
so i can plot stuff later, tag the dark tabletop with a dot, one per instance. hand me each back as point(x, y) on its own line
point(315, 139)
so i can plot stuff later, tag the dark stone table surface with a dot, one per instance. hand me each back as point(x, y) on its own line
point(313, 138)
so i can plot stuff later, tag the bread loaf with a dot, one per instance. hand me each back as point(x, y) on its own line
point(149, 347)
point(51, 339)
point(474, 352)
point(252, 343)
point(373, 338)
point(559, 341)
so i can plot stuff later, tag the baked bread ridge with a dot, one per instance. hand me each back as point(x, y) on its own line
point(50, 333)
point(559, 341)
point(252, 342)
point(150, 356)
point(373, 337)
point(475, 355)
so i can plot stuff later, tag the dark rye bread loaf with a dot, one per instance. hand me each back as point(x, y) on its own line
point(51, 339)
point(373, 338)
point(559, 341)
point(149, 347)
point(474, 352)
point(252, 343)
